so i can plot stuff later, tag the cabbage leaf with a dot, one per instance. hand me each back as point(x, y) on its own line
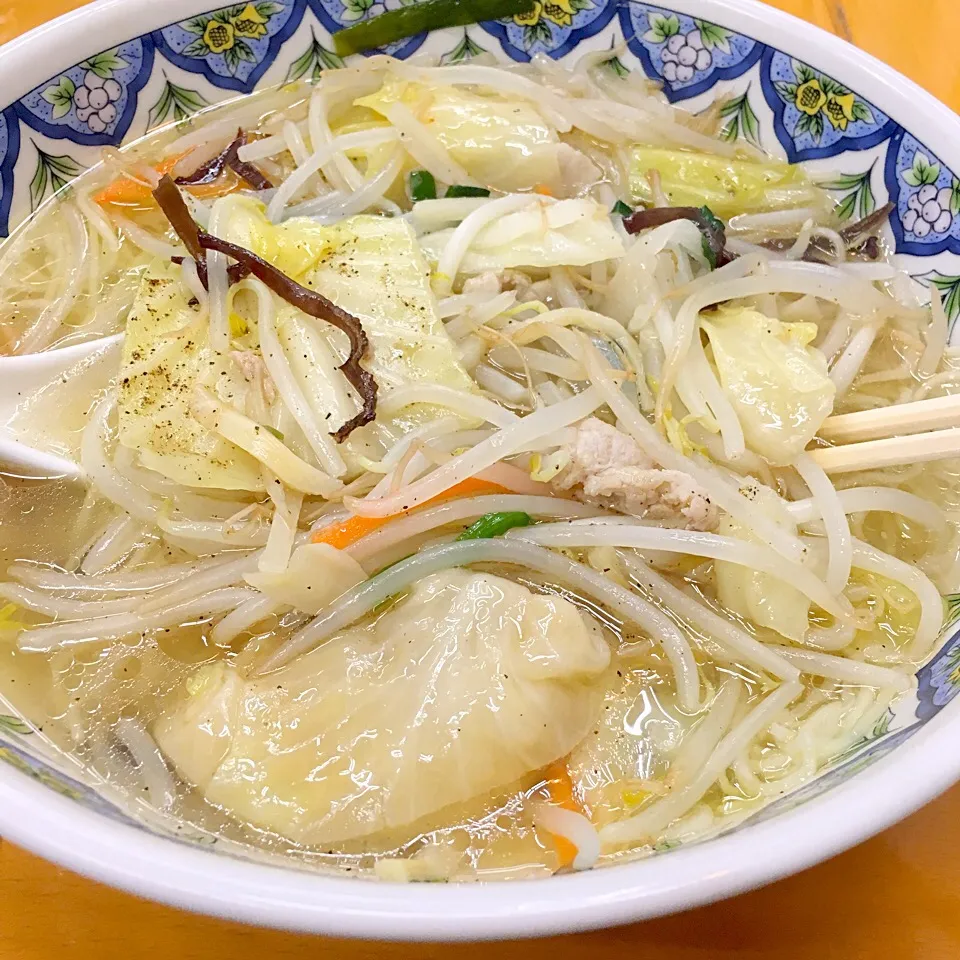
point(777, 382)
point(165, 355)
point(548, 233)
point(376, 270)
point(316, 574)
point(726, 185)
point(504, 144)
point(457, 691)
point(293, 247)
point(759, 597)
point(372, 267)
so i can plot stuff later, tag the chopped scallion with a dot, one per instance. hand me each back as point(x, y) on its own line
point(423, 186)
point(495, 525)
point(712, 227)
point(422, 17)
point(465, 190)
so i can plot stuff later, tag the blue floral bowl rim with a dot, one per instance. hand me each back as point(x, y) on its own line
point(39, 819)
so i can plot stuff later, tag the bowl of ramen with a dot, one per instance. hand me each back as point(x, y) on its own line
point(514, 450)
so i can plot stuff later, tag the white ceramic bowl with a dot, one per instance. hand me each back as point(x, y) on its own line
point(853, 106)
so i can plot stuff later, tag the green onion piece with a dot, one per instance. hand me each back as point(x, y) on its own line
point(489, 525)
point(713, 225)
point(620, 209)
point(712, 219)
point(708, 253)
point(423, 186)
point(273, 430)
point(465, 190)
point(495, 525)
point(420, 18)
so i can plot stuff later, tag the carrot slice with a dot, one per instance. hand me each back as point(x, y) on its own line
point(125, 191)
point(559, 791)
point(348, 531)
point(341, 535)
point(543, 190)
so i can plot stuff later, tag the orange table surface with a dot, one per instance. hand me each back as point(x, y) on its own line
point(896, 896)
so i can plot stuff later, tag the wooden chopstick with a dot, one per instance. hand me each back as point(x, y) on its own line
point(889, 451)
point(897, 420)
point(890, 436)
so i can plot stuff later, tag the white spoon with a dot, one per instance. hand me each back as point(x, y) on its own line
point(22, 378)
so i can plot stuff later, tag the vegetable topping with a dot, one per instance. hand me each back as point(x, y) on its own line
point(421, 18)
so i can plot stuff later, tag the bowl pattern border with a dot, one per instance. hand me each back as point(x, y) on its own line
point(788, 107)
